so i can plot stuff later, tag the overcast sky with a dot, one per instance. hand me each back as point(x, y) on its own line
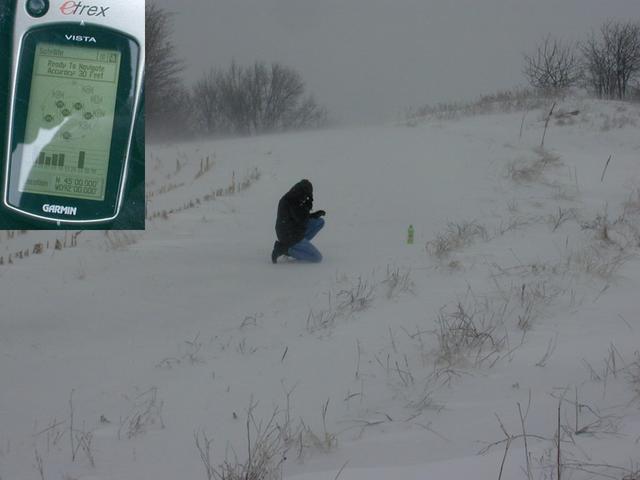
point(368, 59)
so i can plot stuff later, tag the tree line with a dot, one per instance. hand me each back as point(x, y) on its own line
point(237, 100)
point(607, 63)
point(262, 98)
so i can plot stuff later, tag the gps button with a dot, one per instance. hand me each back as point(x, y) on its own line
point(37, 8)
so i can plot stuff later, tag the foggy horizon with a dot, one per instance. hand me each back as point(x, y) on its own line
point(368, 60)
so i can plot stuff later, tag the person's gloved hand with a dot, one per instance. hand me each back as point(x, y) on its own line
point(319, 213)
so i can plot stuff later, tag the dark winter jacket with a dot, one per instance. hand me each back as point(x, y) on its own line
point(294, 213)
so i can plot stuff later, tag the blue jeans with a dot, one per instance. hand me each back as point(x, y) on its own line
point(304, 249)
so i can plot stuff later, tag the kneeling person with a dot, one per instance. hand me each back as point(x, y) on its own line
point(296, 225)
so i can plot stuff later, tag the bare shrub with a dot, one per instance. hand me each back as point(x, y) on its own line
point(553, 66)
point(167, 101)
point(162, 65)
point(456, 236)
point(256, 99)
point(612, 58)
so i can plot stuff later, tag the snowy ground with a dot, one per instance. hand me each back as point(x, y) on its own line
point(387, 359)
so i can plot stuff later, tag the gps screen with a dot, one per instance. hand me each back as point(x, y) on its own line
point(70, 121)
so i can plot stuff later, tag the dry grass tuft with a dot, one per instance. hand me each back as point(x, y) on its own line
point(468, 329)
point(398, 281)
point(266, 452)
point(456, 236)
point(529, 170)
point(504, 101)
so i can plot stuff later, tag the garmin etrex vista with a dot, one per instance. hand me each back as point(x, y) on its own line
point(75, 90)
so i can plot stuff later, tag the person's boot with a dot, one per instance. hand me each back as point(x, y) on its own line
point(278, 250)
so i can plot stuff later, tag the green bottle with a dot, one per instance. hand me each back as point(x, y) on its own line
point(410, 235)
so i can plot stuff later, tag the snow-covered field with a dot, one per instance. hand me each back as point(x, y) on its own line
point(515, 311)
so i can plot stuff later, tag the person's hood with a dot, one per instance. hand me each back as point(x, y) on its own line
point(302, 189)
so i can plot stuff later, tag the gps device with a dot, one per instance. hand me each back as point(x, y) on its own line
point(76, 81)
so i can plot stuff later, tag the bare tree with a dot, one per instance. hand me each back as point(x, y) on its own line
point(206, 108)
point(283, 89)
point(597, 66)
point(308, 114)
point(612, 58)
point(255, 99)
point(234, 102)
point(634, 93)
point(553, 66)
point(162, 67)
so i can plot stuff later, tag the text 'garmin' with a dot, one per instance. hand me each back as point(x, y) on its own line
point(59, 209)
